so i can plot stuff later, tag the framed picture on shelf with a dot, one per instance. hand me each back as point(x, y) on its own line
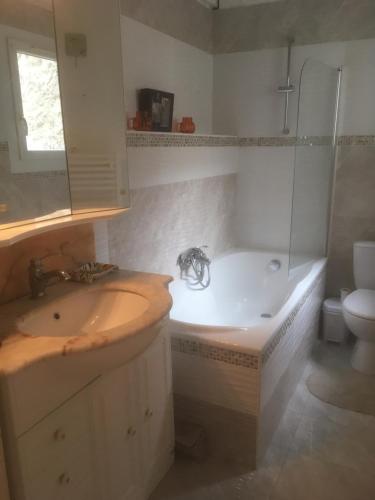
point(156, 108)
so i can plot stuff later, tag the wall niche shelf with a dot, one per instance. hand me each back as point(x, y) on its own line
point(14, 234)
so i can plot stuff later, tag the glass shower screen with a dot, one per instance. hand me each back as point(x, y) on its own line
point(314, 161)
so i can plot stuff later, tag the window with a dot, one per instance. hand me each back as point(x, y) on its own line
point(37, 101)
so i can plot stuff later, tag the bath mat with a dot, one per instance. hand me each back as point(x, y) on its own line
point(334, 381)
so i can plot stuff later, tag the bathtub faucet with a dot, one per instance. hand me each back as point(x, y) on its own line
point(195, 260)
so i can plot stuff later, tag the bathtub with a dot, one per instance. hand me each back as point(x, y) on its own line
point(239, 347)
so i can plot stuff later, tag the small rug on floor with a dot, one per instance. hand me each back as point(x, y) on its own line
point(334, 381)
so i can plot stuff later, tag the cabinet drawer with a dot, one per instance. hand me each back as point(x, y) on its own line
point(61, 439)
point(72, 481)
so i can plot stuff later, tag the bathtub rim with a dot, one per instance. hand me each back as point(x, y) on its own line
point(253, 339)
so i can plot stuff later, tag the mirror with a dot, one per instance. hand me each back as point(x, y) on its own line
point(33, 167)
point(88, 35)
point(62, 113)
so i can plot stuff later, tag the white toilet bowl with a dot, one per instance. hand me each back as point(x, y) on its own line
point(359, 314)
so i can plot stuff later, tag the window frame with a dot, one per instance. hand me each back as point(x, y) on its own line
point(27, 47)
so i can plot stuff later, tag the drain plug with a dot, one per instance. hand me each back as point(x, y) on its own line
point(266, 315)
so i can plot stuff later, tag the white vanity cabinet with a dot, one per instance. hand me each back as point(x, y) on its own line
point(156, 405)
point(113, 440)
point(57, 456)
point(134, 408)
point(4, 492)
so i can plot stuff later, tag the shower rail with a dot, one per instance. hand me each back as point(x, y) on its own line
point(288, 88)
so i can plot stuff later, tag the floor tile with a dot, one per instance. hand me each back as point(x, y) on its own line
point(319, 452)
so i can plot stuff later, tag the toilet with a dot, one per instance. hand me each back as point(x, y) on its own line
point(359, 307)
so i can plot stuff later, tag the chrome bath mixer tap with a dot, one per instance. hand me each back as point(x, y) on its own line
point(39, 280)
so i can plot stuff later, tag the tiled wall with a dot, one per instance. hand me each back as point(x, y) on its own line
point(187, 21)
point(264, 197)
point(149, 166)
point(268, 25)
point(255, 108)
point(167, 219)
point(60, 249)
point(353, 212)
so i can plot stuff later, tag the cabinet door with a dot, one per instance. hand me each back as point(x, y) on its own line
point(118, 433)
point(57, 455)
point(4, 493)
point(156, 410)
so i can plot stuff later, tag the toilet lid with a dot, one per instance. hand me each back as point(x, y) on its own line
point(361, 303)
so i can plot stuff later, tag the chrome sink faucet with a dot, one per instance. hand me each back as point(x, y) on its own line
point(40, 280)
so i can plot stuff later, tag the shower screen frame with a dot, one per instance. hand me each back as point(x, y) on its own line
point(312, 140)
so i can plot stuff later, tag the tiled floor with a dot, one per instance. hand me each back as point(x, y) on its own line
point(320, 452)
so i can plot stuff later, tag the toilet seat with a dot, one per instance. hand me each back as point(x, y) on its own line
point(361, 304)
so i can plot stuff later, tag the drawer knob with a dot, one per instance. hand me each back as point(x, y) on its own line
point(59, 435)
point(64, 479)
point(148, 413)
point(132, 431)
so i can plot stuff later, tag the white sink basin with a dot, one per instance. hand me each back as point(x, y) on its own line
point(92, 312)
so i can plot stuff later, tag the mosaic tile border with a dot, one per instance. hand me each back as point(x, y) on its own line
point(356, 140)
point(156, 140)
point(194, 348)
point(285, 141)
point(147, 139)
point(283, 330)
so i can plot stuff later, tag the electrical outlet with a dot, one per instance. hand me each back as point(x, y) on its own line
point(76, 44)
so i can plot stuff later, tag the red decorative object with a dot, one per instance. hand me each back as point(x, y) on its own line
point(142, 121)
point(187, 125)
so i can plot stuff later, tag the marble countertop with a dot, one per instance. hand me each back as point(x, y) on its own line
point(19, 350)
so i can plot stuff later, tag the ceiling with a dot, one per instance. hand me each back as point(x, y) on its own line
point(228, 4)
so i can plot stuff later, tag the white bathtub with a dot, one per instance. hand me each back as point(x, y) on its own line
point(243, 288)
point(234, 370)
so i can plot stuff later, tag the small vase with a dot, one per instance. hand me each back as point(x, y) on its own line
point(187, 125)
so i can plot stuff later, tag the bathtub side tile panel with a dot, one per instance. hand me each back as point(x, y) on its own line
point(299, 327)
point(283, 370)
point(231, 435)
point(217, 383)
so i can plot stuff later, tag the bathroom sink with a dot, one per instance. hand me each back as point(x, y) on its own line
point(98, 311)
